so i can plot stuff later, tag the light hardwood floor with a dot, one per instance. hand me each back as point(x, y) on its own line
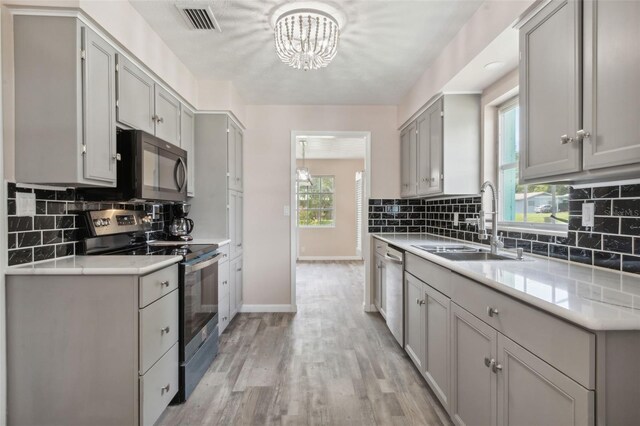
point(331, 363)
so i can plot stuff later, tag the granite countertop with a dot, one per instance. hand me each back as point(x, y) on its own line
point(594, 298)
point(96, 265)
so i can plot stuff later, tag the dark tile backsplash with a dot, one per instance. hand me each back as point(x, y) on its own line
point(613, 242)
point(53, 231)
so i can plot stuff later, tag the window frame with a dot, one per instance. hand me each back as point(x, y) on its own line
point(333, 203)
point(549, 228)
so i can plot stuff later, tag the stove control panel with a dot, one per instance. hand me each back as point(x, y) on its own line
point(115, 221)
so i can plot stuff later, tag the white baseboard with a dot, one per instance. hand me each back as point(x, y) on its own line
point(369, 308)
point(307, 258)
point(267, 308)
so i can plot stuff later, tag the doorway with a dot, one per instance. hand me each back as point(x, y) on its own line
point(329, 192)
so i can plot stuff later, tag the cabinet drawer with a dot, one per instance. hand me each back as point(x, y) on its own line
point(380, 246)
point(434, 275)
point(157, 284)
point(158, 387)
point(158, 329)
point(225, 253)
point(568, 348)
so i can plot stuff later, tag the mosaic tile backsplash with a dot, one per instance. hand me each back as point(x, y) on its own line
point(613, 242)
point(55, 228)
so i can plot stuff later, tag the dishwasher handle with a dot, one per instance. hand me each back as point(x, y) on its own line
point(393, 259)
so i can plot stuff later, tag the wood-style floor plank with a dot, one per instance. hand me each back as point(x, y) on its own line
point(331, 363)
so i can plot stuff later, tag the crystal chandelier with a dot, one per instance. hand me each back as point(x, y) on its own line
point(306, 38)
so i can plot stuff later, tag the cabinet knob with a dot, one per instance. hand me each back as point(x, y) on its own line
point(165, 389)
point(489, 362)
point(565, 139)
point(164, 283)
point(492, 312)
point(422, 302)
point(116, 157)
point(160, 120)
point(224, 282)
point(582, 134)
point(497, 367)
point(165, 330)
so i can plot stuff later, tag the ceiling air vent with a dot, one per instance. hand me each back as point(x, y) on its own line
point(198, 15)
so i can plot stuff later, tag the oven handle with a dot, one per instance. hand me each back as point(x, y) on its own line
point(198, 266)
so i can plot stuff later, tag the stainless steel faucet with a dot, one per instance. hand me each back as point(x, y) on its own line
point(496, 242)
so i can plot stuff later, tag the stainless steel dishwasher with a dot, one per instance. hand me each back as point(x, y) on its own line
point(394, 302)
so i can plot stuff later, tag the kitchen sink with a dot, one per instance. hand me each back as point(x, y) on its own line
point(472, 256)
point(448, 249)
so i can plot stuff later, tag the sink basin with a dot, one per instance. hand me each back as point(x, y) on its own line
point(448, 249)
point(472, 256)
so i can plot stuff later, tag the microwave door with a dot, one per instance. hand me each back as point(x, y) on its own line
point(180, 174)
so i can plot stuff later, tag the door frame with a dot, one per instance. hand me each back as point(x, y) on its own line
point(293, 211)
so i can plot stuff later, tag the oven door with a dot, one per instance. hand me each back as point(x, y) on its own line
point(199, 302)
point(164, 170)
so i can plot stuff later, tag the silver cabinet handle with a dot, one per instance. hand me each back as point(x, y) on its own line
point(422, 302)
point(165, 330)
point(116, 157)
point(489, 362)
point(582, 134)
point(492, 311)
point(497, 367)
point(239, 270)
point(224, 282)
point(154, 118)
point(239, 245)
point(165, 283)
point(165, 389)
point(565, 139)
point(160, 120)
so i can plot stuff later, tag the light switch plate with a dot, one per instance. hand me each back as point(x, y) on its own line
point(25, 204)
point(286, 211)
point(588, 210)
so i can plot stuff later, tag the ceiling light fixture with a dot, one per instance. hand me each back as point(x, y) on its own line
point(303, 176)
point(306, 38)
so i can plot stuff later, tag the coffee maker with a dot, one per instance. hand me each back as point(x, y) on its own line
point(181, 226)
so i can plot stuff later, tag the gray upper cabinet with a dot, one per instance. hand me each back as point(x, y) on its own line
point(550, 91)
point(579, 91)
point(135, 96)
point(187, 122)
point(235, 142)
point(440, 149)
point(65, 97)
point(611, 83)
point(408, 155)
point(474, 385)
point(167, 117)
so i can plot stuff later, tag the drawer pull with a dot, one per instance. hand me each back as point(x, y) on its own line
point(165, 283)
point(165, 389)
point(492, 312)
point(165, 330)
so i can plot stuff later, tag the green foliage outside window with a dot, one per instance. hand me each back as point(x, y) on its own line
point(316, 202)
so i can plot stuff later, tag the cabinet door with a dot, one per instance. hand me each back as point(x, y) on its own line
point(187, 120)
point(423, 152)
point(237, 272)
point(239, 224)
point(436, 141)
point(530, 391)
point(99, 86)
point(135, 96)
point(239, 158)
point(234, 160)
point(611, 84)
point(235, 223)
point(233, 308)
point(473, 383)
point(437, 334)
point(408, 162)
point(224, 279)
point(550, 91)
point(414, 320)
point(167, 116)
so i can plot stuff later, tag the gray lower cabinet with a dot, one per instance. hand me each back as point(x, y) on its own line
point(102, 348)
point(577, 94)
point(473, 383)
point(224, 300)
point(187, 122)
point(236, 285)
point(235, 222)
point(440, 149)
point(414, 320)
point(167, 118)
point(66, 97)
point(135, 96)
point(437, 362)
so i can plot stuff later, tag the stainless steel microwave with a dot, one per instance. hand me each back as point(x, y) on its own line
point(149, 169)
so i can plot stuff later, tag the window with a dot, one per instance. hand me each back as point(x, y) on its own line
point(316, 202)
point(525, 205)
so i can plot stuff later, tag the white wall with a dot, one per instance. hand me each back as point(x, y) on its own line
point(267, 168)
point(339, 240)
point(485, 25)
point(221, 95)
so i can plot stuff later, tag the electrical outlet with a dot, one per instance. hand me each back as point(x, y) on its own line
point(588, 210)
point(455, 219)
point(25, 204)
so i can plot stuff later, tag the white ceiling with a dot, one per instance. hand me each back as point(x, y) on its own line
point(384, 48)
point(331, 148)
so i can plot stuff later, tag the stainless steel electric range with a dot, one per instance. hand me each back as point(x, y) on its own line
point(121, 232)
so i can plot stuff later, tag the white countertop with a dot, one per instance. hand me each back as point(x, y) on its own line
point(594, 298)
point(96, 265)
